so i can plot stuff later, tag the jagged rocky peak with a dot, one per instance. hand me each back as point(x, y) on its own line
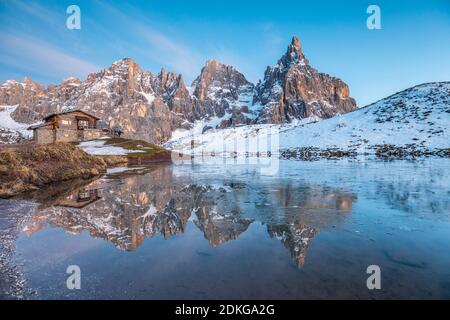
point(177, 96)
point(295, 53)
point(30, 84)
point(172, 83)
point(224, 92)
point(28, 95)
point(181, 90)
point(71, 81)
point(125, 66)
point(125, 70)
point(123, 77)
point(10, 92)
point(218, 78)
point(170, 87)
point(292, 89)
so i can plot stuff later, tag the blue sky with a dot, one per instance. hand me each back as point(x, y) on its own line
point(412, 47)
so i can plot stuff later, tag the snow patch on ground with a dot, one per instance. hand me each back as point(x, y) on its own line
point(198, 126)
point(250, 138)
point(98, 148)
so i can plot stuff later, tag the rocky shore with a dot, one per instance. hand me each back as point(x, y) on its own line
point(383, 151)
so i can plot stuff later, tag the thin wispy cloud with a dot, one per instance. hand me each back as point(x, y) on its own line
point(169, 53)
point(34, 10)
point(42, 57)
point(161, 48)
point(51, 51)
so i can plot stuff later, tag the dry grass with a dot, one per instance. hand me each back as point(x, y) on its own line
point(35, 166)
point(114, 161)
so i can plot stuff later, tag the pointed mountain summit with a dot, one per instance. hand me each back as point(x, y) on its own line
point(224, 92)
point(215, 75)
point(292, 89)
point(294, 53)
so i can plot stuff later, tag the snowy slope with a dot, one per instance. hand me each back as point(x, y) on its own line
point(248, 138)
point(10, 130)
point(99, 148)
point(418, 116)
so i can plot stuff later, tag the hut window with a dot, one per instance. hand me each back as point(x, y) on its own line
point(66, 122)
point(66, 135)
point(83, 123)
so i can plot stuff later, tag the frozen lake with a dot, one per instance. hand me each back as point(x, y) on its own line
point(224, 230)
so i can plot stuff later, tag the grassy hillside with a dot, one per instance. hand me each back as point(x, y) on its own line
point(30, 167)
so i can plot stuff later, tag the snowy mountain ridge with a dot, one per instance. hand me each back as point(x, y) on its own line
point(417, 118)
point(151, 106)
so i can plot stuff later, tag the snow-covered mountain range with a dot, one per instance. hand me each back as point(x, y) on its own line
point(222, 112)
point(415, 120)
point(152, 106)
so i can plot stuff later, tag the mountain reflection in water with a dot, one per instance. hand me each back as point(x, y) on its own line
point(127, 208)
